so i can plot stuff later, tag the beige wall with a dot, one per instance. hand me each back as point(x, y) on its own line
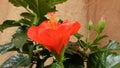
point(71, 10)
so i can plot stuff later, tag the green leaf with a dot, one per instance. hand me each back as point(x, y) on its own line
point(16, 61)
point(20, 37)
point(6, 47)
point(8, 23)
point(113, 61)
point(94, 48)
point(100, 26)
point(25, 22)
point(78, 36)
point(40, 8)
point(82, 43)
point(57, 65)
point(98, 39)
point(18, 40)
point(90, 25)
point(52, 3)
point(19, 3)
point(113, 45)
point(95, 60)
point(27, 15)
point(104, 59)
point(28, 48)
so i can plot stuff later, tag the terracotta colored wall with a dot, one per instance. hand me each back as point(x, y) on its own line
point(72, 10)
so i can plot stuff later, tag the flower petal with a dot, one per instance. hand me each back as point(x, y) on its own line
point(53, 39)
point(33, 33)
point(72, 27)
point(53, 36)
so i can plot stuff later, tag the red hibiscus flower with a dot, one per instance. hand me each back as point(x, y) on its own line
point(52, 34)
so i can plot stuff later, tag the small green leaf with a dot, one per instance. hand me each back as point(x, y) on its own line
point(19, 3)
point(81, 43)
point(90, 25)
point(27, 15)
point(100, 26)
point(94, 48)
point(8, 23)
point(113, 45)
point(28, 48)
point(6, 47)
point(16, 61)
point(78, 36)
point(20, 37)
point(98, 39)
point(25, 22)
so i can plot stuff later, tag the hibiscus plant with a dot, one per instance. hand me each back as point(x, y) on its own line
point(39, 38)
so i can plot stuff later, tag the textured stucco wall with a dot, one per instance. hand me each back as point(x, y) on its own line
point(71, 10)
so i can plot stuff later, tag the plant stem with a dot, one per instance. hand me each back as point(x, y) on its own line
point(94, 40)
point(29, 10)
point(59, 57)
point(80, 43)
point(62, 55)
point(36, 19)
point(87, 45)
point(88, 37)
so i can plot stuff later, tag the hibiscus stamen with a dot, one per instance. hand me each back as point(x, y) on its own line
point(52, 20)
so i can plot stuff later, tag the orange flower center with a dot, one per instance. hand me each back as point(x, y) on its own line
point(52, 20)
